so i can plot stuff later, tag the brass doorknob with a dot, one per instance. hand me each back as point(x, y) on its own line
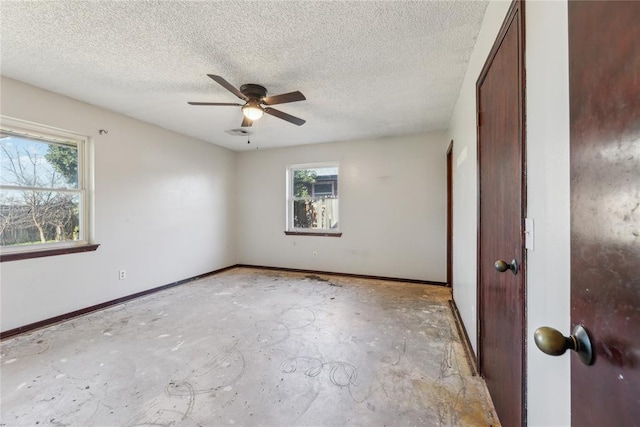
point(502, 266)
point(552, 342)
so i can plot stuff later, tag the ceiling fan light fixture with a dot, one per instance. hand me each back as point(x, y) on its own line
point(252, 110)
point(254, 97)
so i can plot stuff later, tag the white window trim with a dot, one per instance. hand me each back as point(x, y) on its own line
point(289, 198)
point(83, 143)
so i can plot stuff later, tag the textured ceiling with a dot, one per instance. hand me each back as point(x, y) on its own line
point(368, 69)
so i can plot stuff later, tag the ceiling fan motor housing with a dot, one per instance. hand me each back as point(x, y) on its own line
point(253, 91)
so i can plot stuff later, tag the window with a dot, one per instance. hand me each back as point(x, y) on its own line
point(43, 189)
point(312, 205)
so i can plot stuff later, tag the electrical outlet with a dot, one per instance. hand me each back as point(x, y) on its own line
point(122, 274)
point(314, 255)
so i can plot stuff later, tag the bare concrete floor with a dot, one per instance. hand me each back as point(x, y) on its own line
point(251, 348)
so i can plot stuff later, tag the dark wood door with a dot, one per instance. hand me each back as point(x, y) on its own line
point(604, 69)
point(501, 183)
point(450, 215)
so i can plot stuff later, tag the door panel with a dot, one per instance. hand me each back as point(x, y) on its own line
point(450, 215)
point(501, 184)
point(604, 69)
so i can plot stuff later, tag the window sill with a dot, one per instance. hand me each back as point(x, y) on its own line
point(15, 256)
point(311, 233)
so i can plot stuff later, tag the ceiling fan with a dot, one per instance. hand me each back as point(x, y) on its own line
point(255, 96)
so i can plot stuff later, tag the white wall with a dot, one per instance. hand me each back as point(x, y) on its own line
point(548, 379)
point(165, 210)
point(392, 208)
point(548, 273)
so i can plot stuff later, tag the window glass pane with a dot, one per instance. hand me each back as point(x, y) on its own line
point(317, 213)
point(34, 217)
point(313, 198)
point(29, 162)
point(305, 180)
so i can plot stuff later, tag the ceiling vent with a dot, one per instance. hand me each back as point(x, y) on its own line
point(238, 132)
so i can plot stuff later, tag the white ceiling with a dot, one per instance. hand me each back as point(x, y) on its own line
point(368, 69)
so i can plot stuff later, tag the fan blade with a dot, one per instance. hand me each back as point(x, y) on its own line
point(214, 103)
point(246, 122)
point(228, 86)
point(284, 116)
point(283, 98)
